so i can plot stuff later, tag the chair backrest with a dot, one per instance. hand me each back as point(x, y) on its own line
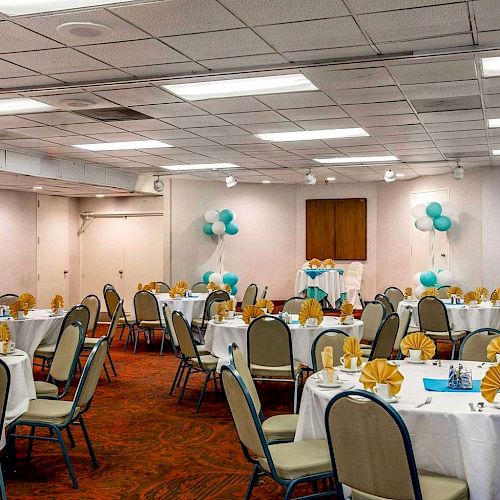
point(4, 390)
point(146, 307)
point(432, 315)
point(94, 306)
point(443, 292)
point(167, 315)
point(217, 295)
point(90, 376)
point(269, 343)
point(187, 344)
point(383, 462)
point(164, 288)
point(293, 305)
point(111, 299)
point(200, 287)
point(395, 296)
point(107, 286)
point(79, 313)
point(8, 298)
point(386, 336)
point(380, 297)
point(353, 275)
point(331, 338)
point(238, 360)
point(263, 295)
point(372, 317)
point(213, 307)
point(119, 313)
point(404, 324)
point(250, 295)
point(67, 354)
point(473, 347)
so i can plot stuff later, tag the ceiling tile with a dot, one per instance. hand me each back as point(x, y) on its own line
point(102, 75)
point(458, 134)
point(331, 77)
point(136, 125)
point(426, 44)
point(40, 132)
point(15, 122)
point(441, 89)
point(487, 15)
point(447, 116)
point(327, 124)
point(367, 6)
point(384, 121)
point(63, 101)
point(446, 104)
point(296, 100)
point(26, 81)
point(329, 54)
point(174, 133)
point(317, 113)
point(137, 96)
point(229, 63)
point(9, 70)
point(162, 70)
point(14, 38)
point(443, 71)
point(58, 118)
point(170, 110)
point(266, 128)
point(396, 130)
point(196, 121)
point(466, 125)
point(232, 105)
point(367, 95)
point(91, 128)
point(376, 109)
point(218, 131)
point(252, 117)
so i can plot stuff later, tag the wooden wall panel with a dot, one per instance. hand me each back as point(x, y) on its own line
point(320, 218)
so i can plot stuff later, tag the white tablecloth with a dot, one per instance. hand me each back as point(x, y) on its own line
point(22, 387)
point(219, 336)
point(331, 282)
point(447, 437)
point(462, 317)
point(190, 307)
point(39, 327)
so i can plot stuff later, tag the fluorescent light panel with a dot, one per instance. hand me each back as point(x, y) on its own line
point(357, 159)
point(241, 86)
point(22, 105)
point(491, 66)
point(495, 152)
point(494, 122)
point(310, 135)
point(117, 146)
point(23, 7)
point(201, 166)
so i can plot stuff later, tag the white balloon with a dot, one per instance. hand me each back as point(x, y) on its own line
point(211, 216)
point(418, 210)
point(446, 277)
point(449, 209)
point(419, 290)
point(423, 223)
point(218, 228)
point(416, 278)
point(216, 279)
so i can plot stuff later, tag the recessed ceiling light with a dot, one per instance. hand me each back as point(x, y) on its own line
point(116, 146)
point(266, 182)
point(99, 196)
point(491, 66)
point(400, 175)
point(310, 135)
point(23, 7)
point(84, 31)
point(330, 179)
point(202, 166)
point(21, 105)
point(357, 159)
point(494, 122)
point(37, 188)
point(241, 86)
point(495, 152)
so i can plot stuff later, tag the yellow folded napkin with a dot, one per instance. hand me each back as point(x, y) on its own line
point(455, 290)
point(27, 302)
point(182, 285)
point(351, 349)
point(265, 304)
point(57, 302)
point(227, 288)
point(251, 312)
point(311, 308)
point(212, 287)
point(346, 310)
point(408, 291)
point(327, 359)
point(230, 305)
point(430, 292)
point(418, 340)
point(139, 287)
point(473, 295)
point(483, 292)
point(4, 332)
point(491, 383)
point(15, 307)
point(379, 371)
point(314, 262)
point(221, 309)
point(328, 263)
point(495, 295)
point(174, 291)
point(493, 349)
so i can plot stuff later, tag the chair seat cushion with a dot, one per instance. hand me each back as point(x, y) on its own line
point(90, 342)
point(45, 389)
point(298, 459)
point(274, 371)
point(208, 362)
point(280, 427)
point(433, 487)
point(47, 410)
point(150, 324)
point(46, 351)
point(197, 322)
point(202, 349)
point(455, 334)
point(129, 319)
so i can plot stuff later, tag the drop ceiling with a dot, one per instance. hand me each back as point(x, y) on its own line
point(407, 71)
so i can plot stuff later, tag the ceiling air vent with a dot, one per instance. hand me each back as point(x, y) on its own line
point(113, 114)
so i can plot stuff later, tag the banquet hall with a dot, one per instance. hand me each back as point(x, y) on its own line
point(249, 249)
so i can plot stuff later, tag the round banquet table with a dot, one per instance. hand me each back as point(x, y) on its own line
point(447, 437)
point(22, 387)
point(461, 317)
point(329, 281)
point(39, 327)
point(190, 307)
point(219, 335)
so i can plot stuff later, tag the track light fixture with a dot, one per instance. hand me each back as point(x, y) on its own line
point(158, 185)
point(389, 175)
point(310, 179)
point(458, 172)
point(231, 180)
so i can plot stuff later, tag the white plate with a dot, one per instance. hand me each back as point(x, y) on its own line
point(415, 362)
point(329, 386)
point(392, 400)
point(346, 370)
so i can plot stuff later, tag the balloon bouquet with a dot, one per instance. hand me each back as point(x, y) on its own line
point(218, 224)
point(433, 217)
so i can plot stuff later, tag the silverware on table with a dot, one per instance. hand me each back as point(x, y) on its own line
point(472, 408)
point(481, 365)
point(426, 402)
point(480, 406)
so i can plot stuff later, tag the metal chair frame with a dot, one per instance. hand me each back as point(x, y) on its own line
point(148, 331)
point(480, 331)
point(316, 340)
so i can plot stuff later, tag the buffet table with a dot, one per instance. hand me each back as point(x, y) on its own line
point(320, 283)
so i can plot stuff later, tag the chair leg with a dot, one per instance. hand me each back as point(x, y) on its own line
point(95, 463)
point(179, 380)
point(177, 373)
point(121, 333)
point(288, 491)
point(136, 339)
point(11, 448)
point(112, 364)
point(3, 494)
point(453, 350)
point(295, 394)
point(107, 373)
point(207, 378)
point(162, 343)
point(254, 478)
point(70, 437)
point(215, 381)
point(30, 445)
point(66, 457)
point(184, 386)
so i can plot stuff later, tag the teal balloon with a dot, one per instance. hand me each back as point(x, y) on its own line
point(232, 228)
point(226, 215)
point(442, 223)
point(206, 277)
point(230, 279)
point(428, 278)
point(207, 229)
point(434, 210)
point(234, 290)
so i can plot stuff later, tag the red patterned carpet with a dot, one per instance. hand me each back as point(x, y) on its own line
point(147, 445)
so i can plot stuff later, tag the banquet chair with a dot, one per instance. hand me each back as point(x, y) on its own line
point(395, 296)
point(293, 305)
point(4, 392)
point(353, 278)
point(404, 327)
point(199, 287)
point(194, 361)
point(90, 342)
point(263, 295)
point(473, 347)
point(443, 292)
point(289, 464)
point(164, 288)
point(94, 305)
point(270, 354)
point(201, 323)
point(384, 300)
point(111, 299)
point(8, 298)
point(106, 287)
point(372, 317)
point(383, 465)
point(147, 318)
point(327, 338)
point(63, 366)
point(59, 415)
point(434, 322)
point(250, 296)
point(79, 313)
point(385, 339)
point(278, 428)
